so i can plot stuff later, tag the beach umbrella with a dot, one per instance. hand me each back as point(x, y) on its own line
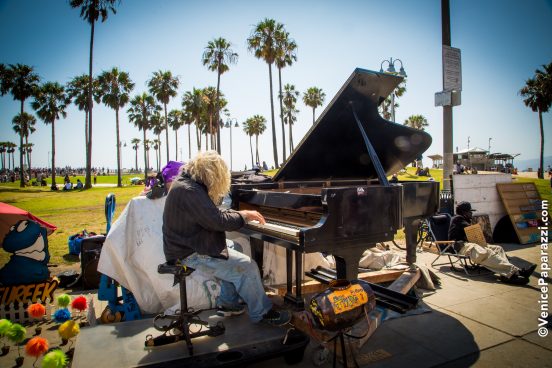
point(9, 215)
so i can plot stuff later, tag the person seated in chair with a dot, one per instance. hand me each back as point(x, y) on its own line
point(193, 233)
point(490, 256)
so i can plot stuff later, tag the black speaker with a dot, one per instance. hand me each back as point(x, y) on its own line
point(91, 248)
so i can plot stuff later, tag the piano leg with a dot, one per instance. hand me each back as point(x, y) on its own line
point(296, 299)
point(346, 263)
point(257, 253)
point(410, 233)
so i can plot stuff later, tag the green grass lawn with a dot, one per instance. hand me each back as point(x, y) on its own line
point(76, 210)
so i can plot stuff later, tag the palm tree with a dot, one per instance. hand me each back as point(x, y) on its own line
point(163, 86)
point(248, 128)
point(135, 144)
point(27, 150)
point(188, 120)
point(22, 82)
point(289, 99)
point(23, 124)
point(385, 107)
point(4, 79)
point(193, 103)
point(91, 11)
point(142, 108)
point(50, 104)
point(286, 55)
point(537, 94)
point(115, 87)
point(3, 149)
point(262, 42)
point(417, 122)
point(147, 145)
point(175, 122)
point(256, 126)
point(10, 151)
point(157, 126)
point(217, 56)
point(77, 89)
point(314, 97)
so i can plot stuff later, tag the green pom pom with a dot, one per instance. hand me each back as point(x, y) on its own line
point(63, 300)
point(4, 326)
point(54, 359)
point(16, 333)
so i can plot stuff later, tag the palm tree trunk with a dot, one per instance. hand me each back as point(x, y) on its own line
point(160, 155)
point(274, 143)
point(86, 139)
point(189, 143)
point(166, 135)
point(88, 178)
point(198, 136)
point(282, 115)
point(218, 113)
point(176, 145)
point(53, 155)
point(290, 122)
point(136, 157)
point(28, 156)
point(21, 173)
point(314, 108)
point(257, 149)
point(119, 182)
point(251, 148)
point(145, 158)
point(541, 162)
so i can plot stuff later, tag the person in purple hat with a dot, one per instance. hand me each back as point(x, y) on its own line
point(169, 172)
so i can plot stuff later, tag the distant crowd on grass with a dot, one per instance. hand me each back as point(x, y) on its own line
point(37, 176)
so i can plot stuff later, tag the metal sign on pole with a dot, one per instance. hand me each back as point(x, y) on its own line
point(452, 69)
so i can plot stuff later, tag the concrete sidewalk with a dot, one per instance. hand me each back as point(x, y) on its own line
point(475, 321)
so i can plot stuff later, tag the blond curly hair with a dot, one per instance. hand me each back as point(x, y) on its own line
point(210, 169)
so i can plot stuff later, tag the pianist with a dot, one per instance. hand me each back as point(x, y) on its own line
point(194, 232)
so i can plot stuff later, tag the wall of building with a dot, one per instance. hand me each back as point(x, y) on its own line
point(480, 191)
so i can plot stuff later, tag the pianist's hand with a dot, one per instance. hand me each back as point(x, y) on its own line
point(249, 215)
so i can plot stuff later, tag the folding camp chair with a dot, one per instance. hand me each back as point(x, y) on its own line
point(438, 226)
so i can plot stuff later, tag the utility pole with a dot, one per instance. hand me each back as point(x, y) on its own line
point(447, 109)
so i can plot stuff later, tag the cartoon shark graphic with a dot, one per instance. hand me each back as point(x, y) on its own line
point(28, 242)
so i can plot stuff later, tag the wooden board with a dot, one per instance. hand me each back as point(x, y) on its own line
point(312, 286)
point(523, 205)
point(474, 234)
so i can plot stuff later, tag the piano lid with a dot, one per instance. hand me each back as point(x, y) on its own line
point(334, 147)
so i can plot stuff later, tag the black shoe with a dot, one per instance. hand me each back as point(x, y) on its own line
point(515, 279)
point(277, 318)
point(526, 272)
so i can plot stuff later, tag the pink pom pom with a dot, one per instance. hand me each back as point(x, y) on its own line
point(79, 303)
point(36, 310)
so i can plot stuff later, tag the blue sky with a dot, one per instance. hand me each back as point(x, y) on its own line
point(502, 43)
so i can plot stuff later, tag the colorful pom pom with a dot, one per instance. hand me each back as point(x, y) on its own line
point(69, 329)
point(4, 326)
point(36, 310)
point(54, 359)
point(62, 315)
point(16, 333)
point(79, 303)
point(36, 346)
point(63, 300)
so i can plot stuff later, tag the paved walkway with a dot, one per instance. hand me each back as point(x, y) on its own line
point(475, 322)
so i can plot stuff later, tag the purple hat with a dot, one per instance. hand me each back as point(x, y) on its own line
point(170, 171)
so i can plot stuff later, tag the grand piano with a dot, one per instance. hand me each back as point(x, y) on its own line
point(332, 194)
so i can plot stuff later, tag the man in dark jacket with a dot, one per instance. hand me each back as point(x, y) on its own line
point(490, 256)
point(194, 233)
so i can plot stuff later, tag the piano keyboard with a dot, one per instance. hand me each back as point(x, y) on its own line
point(277, 227)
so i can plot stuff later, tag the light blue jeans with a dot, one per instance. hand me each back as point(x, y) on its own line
point(239, 278)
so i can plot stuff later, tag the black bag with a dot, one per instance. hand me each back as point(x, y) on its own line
point(91, 248)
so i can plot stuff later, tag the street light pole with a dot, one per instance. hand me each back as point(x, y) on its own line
point(229, 125)
point(490, 145)
point(391, 70)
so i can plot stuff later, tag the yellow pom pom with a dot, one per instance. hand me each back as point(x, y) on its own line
point(68, 329)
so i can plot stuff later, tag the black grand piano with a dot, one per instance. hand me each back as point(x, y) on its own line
point(332, 194)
